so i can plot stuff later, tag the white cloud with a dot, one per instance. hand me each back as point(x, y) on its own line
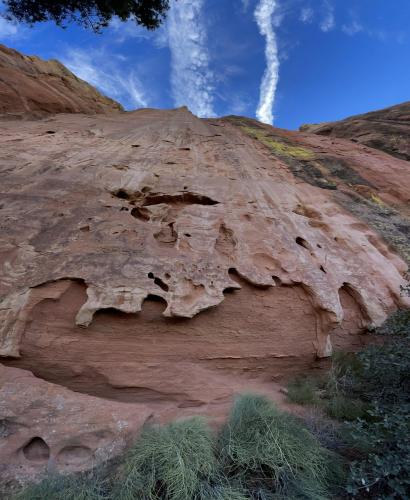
point(124, 30)
point(306, 15)
point(264, 17)
point(191, 77)
point(328, 21)
point(352, 28)
point(8, 29)
point(102, 70)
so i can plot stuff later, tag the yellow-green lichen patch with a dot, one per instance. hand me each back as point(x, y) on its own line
point(279, 148)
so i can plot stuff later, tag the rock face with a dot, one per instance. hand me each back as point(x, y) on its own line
point(387, 129)
point(154, 264)
point(31, 87)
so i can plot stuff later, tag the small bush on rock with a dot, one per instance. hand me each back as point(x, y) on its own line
point(169, 462)
point(268, 450)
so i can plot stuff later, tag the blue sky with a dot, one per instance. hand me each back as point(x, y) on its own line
point(283, 61)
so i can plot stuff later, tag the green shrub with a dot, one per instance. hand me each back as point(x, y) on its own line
point(87, 486)
point(303, 391)
point(341, 407)
point(398, 324)
point(383, 468)
point(169, 462)
point(267, 450)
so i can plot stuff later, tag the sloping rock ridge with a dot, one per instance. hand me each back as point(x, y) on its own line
point(387, 130)
point(32, 87)
point(155, 264)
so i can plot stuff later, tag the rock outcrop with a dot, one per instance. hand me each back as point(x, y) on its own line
point(387, 129)
point(32, 87)
point(154, 264)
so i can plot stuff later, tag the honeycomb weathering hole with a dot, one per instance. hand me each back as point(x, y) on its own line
point(36, 450)
point(74, 455)
point(184, 198)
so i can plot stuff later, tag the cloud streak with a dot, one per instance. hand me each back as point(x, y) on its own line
point(264, 18)
point(109, 78)
point(328, 21)
point(192, 80)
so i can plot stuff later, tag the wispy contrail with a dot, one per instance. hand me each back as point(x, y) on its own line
point(191, 77)
point(264, 18)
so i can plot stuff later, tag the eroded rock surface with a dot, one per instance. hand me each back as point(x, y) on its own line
point(32, 87)
point(154, 264)
point(387, 129)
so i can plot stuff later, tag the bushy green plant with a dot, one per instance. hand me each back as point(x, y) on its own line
point(87, 486)
point(383, 468)
point(267, 450)
point(169, 462)
point(303, 391)
point(341, 407)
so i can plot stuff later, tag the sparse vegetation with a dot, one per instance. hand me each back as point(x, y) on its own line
point(272, 455)
point(370, 393)
point(87, 486)
point(303, 391)
point(359, 450)
point(278, 147)
point(169, 462)
point(260, 453)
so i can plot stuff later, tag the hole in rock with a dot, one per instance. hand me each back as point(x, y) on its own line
point(140, 214)
point(319, 246)
point(36, 450)
point(135, 146)
point(161, 284)
point(235, 276)
point(322, 269)
point(170, 163)
point(303, 243)
point(71, 455)
point(85, 229)
point(348, 289)
point(185, 149)
point(185, 198)
point(167, 236)
point(50, 131)
point(354, 319)
point(277, 280)
point(122, 194)
point(155, 298)
point(187, 235)
point(158, 282)
point(124, 209)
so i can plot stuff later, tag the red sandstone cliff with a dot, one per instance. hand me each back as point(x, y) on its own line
point(153, 264)
point(32, 87)
point(387, 129)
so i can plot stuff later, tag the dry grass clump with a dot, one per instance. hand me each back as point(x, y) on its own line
point(169, 462)
point(272, 455)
